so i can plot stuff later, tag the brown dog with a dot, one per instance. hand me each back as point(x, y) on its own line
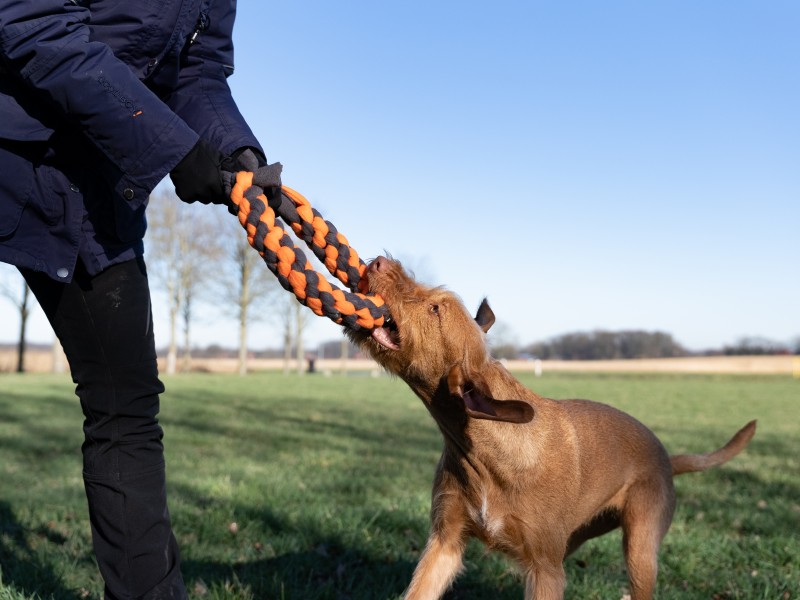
point(531, 477)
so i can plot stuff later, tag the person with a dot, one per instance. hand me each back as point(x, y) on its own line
point(99, 101)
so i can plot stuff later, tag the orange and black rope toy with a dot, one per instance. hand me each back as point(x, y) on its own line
point(257, 213)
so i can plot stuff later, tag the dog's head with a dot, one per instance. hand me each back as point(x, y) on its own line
point(432, 339)
point(429, 329)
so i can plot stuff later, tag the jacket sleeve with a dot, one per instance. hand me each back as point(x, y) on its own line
point(46, 44)
point(202, 97)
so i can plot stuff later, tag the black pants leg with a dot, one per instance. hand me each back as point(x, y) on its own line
point(105, 325)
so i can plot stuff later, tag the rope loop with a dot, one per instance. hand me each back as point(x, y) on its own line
point(258, 215)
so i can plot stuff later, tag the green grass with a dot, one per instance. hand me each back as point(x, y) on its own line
point(328, 481)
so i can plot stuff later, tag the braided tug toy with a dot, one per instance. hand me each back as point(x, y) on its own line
point(257, 211)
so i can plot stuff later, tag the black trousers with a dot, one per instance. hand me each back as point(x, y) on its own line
point(105, 325)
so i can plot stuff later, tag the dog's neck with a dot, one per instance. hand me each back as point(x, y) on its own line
point(449, 414)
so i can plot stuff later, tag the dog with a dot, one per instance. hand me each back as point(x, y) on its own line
point(529, 476)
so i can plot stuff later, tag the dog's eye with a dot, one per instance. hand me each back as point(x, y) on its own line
point(434, 308)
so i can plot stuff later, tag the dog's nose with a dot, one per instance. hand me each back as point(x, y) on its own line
point(379, 265)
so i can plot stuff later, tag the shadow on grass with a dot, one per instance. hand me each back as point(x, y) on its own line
point(272, 427)
point(22, 570)
point(327, 572)
point(31, 434)
point(328, 568)
point(313, 564)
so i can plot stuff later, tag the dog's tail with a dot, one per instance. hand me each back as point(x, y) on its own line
point(689, 463)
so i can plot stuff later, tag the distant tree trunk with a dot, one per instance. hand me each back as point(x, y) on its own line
point(243, 343)
point(299, 321)
point(174, 306)
point(345, 352)
point(245, 267)
point(243, 366)
point(163, 224)
point(287, 346)
point(24, 312)
point(186, 363)
point(285, 314)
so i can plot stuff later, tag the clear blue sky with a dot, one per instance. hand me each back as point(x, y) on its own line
point(583, 164)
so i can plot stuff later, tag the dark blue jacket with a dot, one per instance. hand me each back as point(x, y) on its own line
point(99, 100)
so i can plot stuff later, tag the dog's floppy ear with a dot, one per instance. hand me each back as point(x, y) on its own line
point(485, 316)
point(479, 406)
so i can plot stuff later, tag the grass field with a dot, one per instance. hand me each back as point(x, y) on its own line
point(328, 480)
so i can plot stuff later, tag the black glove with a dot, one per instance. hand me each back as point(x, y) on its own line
point(199, 176)
point(267, 177)
point(206, 175)
point(248, 159)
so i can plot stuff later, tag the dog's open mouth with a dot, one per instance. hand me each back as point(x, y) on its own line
point(387, 336)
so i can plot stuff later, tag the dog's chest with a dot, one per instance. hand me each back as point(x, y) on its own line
point(487, 522)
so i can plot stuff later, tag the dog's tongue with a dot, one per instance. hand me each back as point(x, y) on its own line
point(383, 336)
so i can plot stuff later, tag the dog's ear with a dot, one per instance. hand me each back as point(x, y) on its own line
point(485, 316)
point(480, 406)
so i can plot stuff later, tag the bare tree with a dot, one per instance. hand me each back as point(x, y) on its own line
point(201, 254)
point(253, 288)
point(247, 286)
point(288, 336)
point(300, 320)
point(19, 294)
point(184, 249)
point(292, 318)
point(284, 314)
point(201, 261)
point(163, 252)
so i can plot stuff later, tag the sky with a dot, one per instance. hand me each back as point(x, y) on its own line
point(584, 165)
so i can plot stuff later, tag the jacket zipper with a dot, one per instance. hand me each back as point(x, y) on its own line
point(202, 24)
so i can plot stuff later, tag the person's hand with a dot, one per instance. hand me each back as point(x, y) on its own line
point(206, 175)
point(248, 159)
point(199, 177)
point(267, 177)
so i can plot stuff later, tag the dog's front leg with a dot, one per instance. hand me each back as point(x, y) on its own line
point(441, 560)
point(545, 582)
point(438, 566)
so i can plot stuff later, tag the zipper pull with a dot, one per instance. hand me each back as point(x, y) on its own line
point(202, 24)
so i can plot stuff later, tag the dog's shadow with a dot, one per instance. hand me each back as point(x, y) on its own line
point(331, 568)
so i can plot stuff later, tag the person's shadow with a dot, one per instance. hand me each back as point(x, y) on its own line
point(21, 568)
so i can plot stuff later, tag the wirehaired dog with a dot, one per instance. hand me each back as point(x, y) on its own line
point(528, 476)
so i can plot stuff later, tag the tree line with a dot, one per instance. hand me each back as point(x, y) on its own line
point(609, 345)
point(629, 344)
point(200, 255)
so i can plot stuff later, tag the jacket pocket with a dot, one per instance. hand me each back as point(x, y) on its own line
point(50, 194)
point(16, 184)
